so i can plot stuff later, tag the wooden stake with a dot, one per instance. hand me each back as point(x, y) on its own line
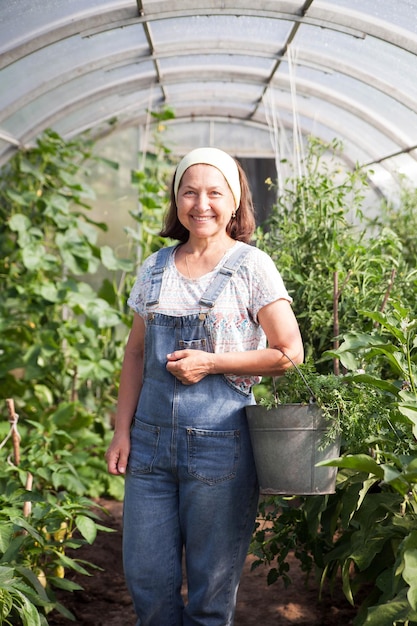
point(388, 291)
point(27, 506)
point(336, 297)
point(13, 418)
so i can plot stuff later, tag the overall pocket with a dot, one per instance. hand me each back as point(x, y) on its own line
point(144, 445)
point(213, 455)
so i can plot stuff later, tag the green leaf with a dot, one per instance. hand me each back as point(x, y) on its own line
point(358, 462)
point(367, 485)
point(347, 359)
point(64, 583)
point(410, 576)
point(49, 291)
point(102, 313)
point(116, 487)
point(378, 383)
point(19, 222)
point(30, 576)
point(44, 395)
point(396, 611)
point(59, 202)
point(6, 575)
point(111, 262)
point(346, 581)
point(6, 533)
point(33, 256)
point(28, 612)
point(64, 413)
point(99, 370)
point(409, 411)
point(87, 527)
point(72, 564)
point(381, 319)
point(20, 199)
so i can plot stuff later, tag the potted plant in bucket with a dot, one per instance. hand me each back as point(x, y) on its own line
point(301, 422)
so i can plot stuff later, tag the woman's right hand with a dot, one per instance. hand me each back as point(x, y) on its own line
point(117, 454)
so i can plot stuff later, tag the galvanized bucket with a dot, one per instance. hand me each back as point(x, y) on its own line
point(287, 444)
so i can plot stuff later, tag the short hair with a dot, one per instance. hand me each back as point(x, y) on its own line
point(241, 227)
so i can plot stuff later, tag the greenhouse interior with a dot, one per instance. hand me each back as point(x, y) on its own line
point(317, 100)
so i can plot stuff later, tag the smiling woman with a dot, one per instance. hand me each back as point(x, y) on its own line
point(205, 310)
point(232, 180)
point(205, 207)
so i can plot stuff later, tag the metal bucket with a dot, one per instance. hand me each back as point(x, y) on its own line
point(287, 445)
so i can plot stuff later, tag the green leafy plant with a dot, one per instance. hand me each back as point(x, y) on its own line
point(305, 526)
point(61, 350)
point(383, 517)
point(152, 182)
point(353, 284)
point(318, 237)
point(289, 525)
point(21, 595)
point(387, 359)
point(366, 531)
point(35, 547)
point(352, 410)
point(62, 347)
point(400, 216)
point(62, 343)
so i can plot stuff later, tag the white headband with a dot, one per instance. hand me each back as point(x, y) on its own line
point(211, 156)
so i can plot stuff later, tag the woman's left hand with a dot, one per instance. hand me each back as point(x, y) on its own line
point(189, 366)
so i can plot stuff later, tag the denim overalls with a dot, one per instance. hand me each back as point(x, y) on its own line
point(191, 481)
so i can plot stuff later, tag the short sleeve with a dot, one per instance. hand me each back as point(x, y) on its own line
point(137, 297)
point(266, 280)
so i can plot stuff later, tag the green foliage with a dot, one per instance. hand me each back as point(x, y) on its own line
point(401, 218)
point(61, 341)
point(60, 355)
point(34, 550)
point(353, 410)
point(387, 357)
point(62, 344)
point(152, 182)
point(285, 527)
point(21, 595)
point(316, 233)
point(62, 347)
point(375, 547)
point(367, 530)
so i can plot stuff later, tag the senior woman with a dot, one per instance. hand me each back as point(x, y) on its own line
point(211, 316)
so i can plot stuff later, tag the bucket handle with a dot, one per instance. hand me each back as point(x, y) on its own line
point(312, 396)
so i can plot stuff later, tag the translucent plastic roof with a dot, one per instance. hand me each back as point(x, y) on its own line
point(237, 73)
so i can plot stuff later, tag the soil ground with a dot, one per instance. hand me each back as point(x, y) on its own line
point(105, 601)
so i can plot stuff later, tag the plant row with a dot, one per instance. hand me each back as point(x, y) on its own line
point(353, 281)
point(62, 340)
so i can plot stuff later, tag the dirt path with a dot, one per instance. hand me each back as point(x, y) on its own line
point(106, 602)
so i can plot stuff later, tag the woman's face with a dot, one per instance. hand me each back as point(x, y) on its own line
point(205, 202)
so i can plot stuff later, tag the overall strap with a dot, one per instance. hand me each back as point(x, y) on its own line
point(230, 266)
point(162, 257)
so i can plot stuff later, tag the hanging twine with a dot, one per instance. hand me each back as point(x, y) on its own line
point(300, 373)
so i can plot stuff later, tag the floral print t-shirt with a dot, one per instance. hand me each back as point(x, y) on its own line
point(233, 320)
